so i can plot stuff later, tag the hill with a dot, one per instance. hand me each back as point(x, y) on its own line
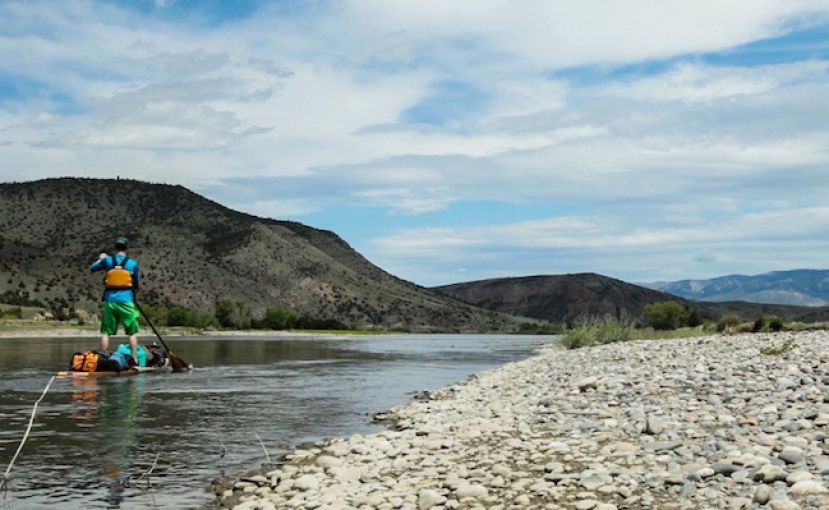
point(567, 298)
point(805, 287)
point(195, 252)
point(574, 298)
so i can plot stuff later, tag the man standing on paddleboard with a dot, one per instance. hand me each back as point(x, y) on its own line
point(121, 281)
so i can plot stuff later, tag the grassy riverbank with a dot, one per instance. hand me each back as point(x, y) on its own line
point(611, 332)
point(51, 328)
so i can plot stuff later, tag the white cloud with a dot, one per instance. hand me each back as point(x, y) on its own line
point(277, 209)
point(560, 34)
point(696, 82)
point(403, 199)
point(319, 100)
point(612, 244)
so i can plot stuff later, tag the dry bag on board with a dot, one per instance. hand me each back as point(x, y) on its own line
point(84, 361)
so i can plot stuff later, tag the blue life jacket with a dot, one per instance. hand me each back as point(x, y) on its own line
point(127, 351)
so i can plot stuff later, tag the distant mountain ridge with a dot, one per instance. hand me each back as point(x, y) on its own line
point(802, 287)
point(194, 252)
point(569, 298)
point(587, 297)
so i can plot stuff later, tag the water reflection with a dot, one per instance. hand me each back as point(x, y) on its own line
point(113, 411)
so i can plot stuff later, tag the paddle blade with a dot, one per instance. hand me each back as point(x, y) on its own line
point(178, 364)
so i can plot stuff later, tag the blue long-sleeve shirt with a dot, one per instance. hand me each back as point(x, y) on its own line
point(119, 295)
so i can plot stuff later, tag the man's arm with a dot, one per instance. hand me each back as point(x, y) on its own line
point(99, 264)
point(136, 277)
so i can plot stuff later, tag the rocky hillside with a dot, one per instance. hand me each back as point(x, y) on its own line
point(805, 287)
point(574, 298)
point(194, 252)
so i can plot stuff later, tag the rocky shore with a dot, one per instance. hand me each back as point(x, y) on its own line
point(717, 422)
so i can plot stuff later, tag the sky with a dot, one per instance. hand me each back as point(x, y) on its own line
point(450, 140)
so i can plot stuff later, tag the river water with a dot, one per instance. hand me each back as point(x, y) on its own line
point(247, 398)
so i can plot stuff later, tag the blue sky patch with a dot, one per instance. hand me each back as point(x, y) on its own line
point(450, 103)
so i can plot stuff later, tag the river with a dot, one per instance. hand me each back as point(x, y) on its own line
point(248, 398)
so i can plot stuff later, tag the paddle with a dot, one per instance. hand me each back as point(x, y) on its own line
point(179, 365)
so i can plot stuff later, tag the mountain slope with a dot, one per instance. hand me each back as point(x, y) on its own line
point(194, 252)
point(806, 287)
point(574, 298)
point(567, 298)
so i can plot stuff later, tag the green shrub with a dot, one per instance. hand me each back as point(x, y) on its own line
point(745, 327)
point(540, 328)
point(598, 334)
point(11, 297)
point(766, 323)
point(777, 350)
point(233, 314)
point(613, 331)
point(761, 324)
point(666, 315)
point(15, 312)
point(727, 322)
point(276, 318)
point(580, 336)
point(695, 319)
point(308, 322)
point(180, 316)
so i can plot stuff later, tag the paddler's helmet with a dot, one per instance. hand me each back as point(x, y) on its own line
point(121, 243)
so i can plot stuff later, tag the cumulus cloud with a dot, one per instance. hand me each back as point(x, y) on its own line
point(413, 108)
point(609, 243)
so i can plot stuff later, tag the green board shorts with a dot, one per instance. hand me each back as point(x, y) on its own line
point(119, 313)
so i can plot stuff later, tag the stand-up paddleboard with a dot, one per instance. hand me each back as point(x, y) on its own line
point(123, 373)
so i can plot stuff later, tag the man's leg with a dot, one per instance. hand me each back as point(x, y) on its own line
point(134, 346)
point(109, 325)
point(130, 316)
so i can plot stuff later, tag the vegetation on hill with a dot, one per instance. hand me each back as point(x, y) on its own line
point(195, 254)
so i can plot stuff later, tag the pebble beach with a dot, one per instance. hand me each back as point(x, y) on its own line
point(715, 422)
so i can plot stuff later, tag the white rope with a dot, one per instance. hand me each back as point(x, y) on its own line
point(155, 462)
point(5, 477)
point(267, 456)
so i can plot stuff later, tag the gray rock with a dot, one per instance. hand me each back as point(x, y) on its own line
point(762, 494)
point(781, 504)
point(822, 465)
point(792, 455)
point(769, 473)
point(724, 468)
point(587, 383)
point(654, 425)
point(658, 446)
point(808, 487)
point(471, 491)
point(704, 473)
point(306, 483)
point(428, 498)
point(586, 504)
point(785, 383)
